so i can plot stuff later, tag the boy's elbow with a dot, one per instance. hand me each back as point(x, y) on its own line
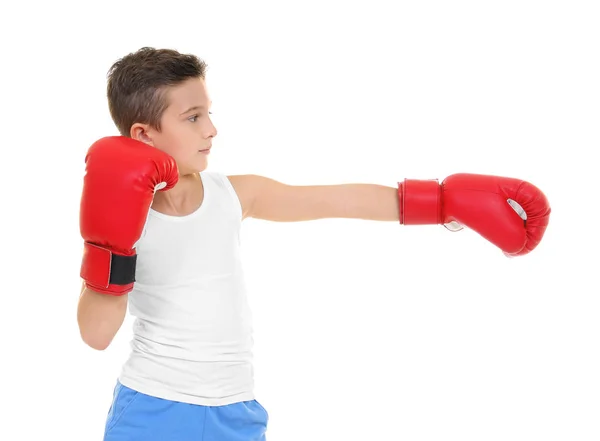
point(97, 342)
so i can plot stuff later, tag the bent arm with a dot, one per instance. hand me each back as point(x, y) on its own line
point(100, 317)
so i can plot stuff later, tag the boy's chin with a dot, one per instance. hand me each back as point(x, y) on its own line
point(193, 168)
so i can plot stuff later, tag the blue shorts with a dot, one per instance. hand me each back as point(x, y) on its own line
point(134, 416)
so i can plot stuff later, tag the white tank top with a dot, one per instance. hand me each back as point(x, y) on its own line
point(192, 334)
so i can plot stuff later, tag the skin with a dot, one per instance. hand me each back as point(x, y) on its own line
point(186, 128)
point(183, 134)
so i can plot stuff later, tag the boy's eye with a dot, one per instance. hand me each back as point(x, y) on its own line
point(194, 118)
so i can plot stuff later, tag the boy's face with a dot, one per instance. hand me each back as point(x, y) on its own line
point(186, 127)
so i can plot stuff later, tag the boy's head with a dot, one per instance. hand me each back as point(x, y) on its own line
point(159, 97)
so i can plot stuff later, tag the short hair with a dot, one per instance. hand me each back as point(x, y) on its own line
point(138, 83)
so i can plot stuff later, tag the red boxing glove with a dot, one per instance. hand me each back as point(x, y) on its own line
point(510, 213)
point(122, 175)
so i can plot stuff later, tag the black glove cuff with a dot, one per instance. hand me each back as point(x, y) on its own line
point(122, 269)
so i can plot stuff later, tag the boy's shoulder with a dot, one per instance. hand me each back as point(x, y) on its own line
point(242, 181)
point(246, 188)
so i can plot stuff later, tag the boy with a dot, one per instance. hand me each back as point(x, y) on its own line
point(161, 235)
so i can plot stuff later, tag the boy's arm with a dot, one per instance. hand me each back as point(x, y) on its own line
point(510, 213)
point(268, 199)
point(99, 317)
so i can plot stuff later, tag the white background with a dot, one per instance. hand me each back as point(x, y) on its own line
point(363, 330)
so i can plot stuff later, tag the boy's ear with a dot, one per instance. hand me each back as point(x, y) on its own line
point(140, 132)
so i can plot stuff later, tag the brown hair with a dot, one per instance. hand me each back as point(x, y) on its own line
point(137, 84)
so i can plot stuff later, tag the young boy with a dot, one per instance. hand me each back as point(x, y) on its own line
point(161, 234)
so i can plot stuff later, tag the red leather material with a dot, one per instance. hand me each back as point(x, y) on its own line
point(118, 190)
point(480, 202)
